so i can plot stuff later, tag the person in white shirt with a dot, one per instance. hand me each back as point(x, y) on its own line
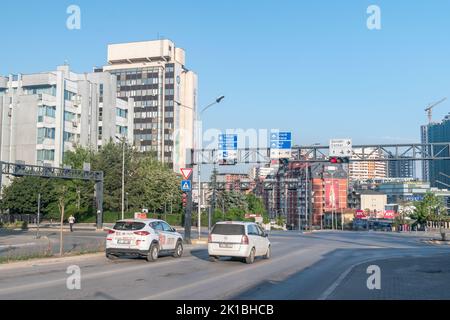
point(71, 222)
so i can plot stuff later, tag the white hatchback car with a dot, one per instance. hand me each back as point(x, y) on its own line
point(145, 238)
point(238, 239)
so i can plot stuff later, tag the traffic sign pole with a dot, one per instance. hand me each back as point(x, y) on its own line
point(188, 211)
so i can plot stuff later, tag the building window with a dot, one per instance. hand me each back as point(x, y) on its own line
point(45, 133)
point(122, 113)
point(69, 116)
point(46, 111)
point(68, 96)
point(46, 155)
point(123, 131)
point(69, 137)
point(50, 90)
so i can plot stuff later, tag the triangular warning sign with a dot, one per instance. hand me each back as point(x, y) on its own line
point(186, 172)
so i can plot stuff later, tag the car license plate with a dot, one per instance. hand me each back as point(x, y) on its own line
point(226, 245)
point(123, 241)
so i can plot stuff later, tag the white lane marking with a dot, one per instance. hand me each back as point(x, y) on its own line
point(327, 293)
point(225, 275)
point(18, 245)
point(62, 281)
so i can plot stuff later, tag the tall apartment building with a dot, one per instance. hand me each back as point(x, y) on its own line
point(43, 115)
point(401, 168)
point(425, 164)
point(154, 75)
point(437, 170)
point(365, 170)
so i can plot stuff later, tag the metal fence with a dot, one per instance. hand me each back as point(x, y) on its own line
point(12, 218)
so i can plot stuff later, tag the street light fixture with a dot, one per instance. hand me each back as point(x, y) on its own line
point(199, 210)
point(197, 140)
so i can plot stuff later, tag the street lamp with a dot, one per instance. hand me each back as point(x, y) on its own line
point(122, 139)
point(197, 141)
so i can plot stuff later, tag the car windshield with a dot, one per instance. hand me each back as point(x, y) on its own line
point(229, 229)
point(129, 226)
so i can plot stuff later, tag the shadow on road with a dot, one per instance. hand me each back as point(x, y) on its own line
point(313, 281)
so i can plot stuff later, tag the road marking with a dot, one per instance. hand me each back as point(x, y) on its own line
point(245, 269)
point(50, 283)
point(20, 245)
point(327, 293)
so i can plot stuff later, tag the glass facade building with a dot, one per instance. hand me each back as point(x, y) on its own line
point(439, 170)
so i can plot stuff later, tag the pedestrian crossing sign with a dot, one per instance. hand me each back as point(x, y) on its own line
point(186, 186)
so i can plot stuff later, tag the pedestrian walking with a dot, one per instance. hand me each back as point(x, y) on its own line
point(71, 222)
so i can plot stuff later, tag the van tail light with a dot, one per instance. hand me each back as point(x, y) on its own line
point(210, 238)
point(244, 240)
point(111, 231)
point(142, 233)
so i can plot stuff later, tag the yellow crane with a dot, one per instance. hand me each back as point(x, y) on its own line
point(429, 109)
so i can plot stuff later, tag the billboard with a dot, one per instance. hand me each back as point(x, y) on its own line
point(389, 214)
point(331, 194)
point(360, 214)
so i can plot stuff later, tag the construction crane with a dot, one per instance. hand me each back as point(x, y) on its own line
point(430, 109)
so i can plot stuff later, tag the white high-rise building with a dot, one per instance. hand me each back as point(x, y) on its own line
point(154, 74)
point(43, 115)
point(365, 170)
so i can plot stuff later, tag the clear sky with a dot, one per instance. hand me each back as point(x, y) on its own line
point(311, 67)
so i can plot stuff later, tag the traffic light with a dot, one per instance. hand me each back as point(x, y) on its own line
point(337, 160)
point(185, 200)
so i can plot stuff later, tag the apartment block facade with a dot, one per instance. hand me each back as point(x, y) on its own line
point(44, 115)
point(164, 93)
point(365, 170)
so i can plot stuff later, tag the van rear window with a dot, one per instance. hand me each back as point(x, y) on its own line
point(229, 229)
point(129, 226)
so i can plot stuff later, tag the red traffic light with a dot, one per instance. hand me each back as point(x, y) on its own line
point(336, 160)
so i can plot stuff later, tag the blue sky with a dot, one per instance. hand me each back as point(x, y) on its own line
point(311, 67)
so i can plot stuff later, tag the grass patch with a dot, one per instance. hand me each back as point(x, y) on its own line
point(9, 259)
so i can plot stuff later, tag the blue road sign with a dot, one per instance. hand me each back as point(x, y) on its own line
point(281, 140)
point(228, 142)
point(281, 145)
point(186, 186)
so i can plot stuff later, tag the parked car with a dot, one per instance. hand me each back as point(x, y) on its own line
point(148, 238)
point(245, 240)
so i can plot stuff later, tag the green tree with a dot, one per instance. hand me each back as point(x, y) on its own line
point(152, 185)
point(21, 196)
point(430, 208)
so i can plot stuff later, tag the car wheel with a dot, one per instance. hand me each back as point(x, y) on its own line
point(178, 250)
point(251, 258)
point(153, 253)
point(111, 256)
point(268, 254)
point(213, 259)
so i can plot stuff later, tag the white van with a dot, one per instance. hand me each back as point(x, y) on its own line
point(245, 240)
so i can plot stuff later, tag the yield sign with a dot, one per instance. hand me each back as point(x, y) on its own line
point(187, 173)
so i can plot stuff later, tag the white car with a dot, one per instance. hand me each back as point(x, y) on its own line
point(245, 240)
point(145, 238)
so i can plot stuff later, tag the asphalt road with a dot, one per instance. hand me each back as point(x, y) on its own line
point(321, 265)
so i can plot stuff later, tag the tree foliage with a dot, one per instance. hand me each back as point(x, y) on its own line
point(430, 208)
point(148, 184)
